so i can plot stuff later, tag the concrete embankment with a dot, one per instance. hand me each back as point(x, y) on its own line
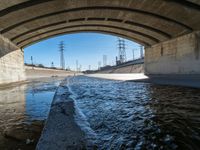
point(37, 72)
point(61, 132)
point(137, 68)
point(34, 73)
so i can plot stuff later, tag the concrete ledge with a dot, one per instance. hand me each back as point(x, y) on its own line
point(13, 84)
point(175, 80)
point(61, 131)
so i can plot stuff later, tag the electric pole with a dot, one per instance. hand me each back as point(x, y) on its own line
point(52, 64)
point(77, 65)
point(133, 54)
point(99, 65)
point(89, 67)
point(104, 60)
point(32, 60)
point(62, 59)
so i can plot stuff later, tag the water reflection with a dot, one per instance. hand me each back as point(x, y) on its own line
point(23, 110)
point(177, 112)
point(120, 115)
point(12, 106)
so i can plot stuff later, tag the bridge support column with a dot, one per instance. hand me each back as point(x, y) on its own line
point(176, 57)
point(11, 62)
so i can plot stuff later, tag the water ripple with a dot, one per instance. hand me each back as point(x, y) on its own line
point(128, 115)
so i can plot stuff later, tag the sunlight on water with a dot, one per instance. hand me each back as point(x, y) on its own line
point(129, 115)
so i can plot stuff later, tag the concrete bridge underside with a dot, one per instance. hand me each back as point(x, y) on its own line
point(152, 23)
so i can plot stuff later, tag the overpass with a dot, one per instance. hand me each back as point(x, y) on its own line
point(169, 29)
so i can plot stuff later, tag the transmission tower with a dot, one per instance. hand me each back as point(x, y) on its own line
point(122, 50)
point(62, 59)
point(104, 60)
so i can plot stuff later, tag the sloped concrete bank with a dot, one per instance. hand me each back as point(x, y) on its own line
point(136, 68)
point(61, 132)
point(37, 72)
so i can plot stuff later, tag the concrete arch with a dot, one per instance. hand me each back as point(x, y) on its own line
point(104, 30)
point(136, 33)
point(96, 21)
point(148, 21)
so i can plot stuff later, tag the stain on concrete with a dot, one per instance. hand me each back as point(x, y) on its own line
point(197, 46)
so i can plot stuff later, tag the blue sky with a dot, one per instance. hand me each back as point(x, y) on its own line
point(87, 48)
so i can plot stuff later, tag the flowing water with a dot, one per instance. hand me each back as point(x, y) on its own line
point(114, 114)
point(23, 109)
point(130, 115)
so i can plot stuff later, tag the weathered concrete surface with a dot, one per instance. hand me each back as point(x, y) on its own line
point(178, 56)
point(12, 67)
point(175, 80)
point(37, 72)
point(11, 62)
point(6, 46)
point(61, 132)
point(138, 68)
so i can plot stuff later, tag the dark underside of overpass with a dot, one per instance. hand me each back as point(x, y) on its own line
point(144, 21)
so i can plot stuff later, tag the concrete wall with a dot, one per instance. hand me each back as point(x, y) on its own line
point(139, 68)
point(12, 67)
point(176, 56)
point(36, 72)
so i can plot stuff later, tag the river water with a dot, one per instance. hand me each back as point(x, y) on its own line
point(23, 109)
point(114, 114)
point(129, 115)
